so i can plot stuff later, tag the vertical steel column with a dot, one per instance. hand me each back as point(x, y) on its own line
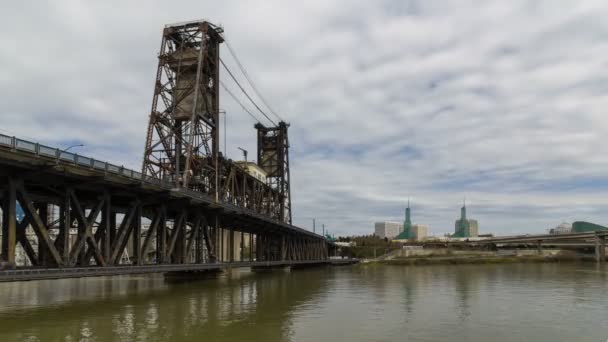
point(201, 227)
point(43, 210)
point(64, 228)
point(161, 237)
point(181, 243)
point(136, 238)
point(9, 222)
point(82, 230)
point(108, 224)
point(250, 246)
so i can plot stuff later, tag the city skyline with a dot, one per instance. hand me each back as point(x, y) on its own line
point(503, 102)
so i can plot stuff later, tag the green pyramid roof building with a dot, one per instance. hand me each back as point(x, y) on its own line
point(406, 234)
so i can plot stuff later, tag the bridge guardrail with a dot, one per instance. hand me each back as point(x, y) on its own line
point(58, 155)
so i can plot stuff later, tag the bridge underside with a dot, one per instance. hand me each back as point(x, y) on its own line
point(77, 272)
point(82, 218)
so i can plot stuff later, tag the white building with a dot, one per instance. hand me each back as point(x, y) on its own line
point(345, 244)
point(420, 232)
point(387, 229)
point(253, 169)
point(562, 228)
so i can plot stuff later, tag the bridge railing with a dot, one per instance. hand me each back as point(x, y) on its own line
point(61, 156)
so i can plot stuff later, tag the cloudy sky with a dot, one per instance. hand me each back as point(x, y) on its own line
point(499, 101)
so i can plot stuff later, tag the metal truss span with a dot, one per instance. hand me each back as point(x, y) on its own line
point(78, 212)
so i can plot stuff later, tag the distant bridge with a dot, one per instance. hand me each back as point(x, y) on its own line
point(596, 239)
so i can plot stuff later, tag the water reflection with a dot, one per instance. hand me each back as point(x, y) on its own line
point(547, 302)
point(148, 309)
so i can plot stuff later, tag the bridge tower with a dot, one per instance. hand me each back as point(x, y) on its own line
point(182, 142)
point(273, 157)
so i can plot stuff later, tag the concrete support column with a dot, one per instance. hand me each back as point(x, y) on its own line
point(600, 248)
point(232, 245)
point(539, 247)
point(603, 249)
point(250, 246)
point(259, 247)
point(242, 247)
point(283, 248)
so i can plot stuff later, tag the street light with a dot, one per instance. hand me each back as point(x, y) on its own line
point(60, 153)
point(244, 153)
point(77, 145)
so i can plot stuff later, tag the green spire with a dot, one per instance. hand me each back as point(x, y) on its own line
point(463, 229)
point(463, 210)
point(407, 224)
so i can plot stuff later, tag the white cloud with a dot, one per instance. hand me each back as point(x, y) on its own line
point(500, 101)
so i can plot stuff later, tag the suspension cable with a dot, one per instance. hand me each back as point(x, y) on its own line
point(238, 101)
point(245, 92)
point(249, 80)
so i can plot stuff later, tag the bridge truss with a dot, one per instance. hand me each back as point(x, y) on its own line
point(84, 212)
point(188, 205)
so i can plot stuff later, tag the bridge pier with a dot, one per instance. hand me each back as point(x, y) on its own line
point(539, 247)
point(600, 249)
point(192, 275)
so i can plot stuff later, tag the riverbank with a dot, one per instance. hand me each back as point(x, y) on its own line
point(476, 260)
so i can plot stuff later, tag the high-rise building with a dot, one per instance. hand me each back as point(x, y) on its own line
point(387, 229)
point(407, 224)
point(463, 227)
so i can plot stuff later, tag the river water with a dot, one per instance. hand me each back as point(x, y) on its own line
point(519, 302)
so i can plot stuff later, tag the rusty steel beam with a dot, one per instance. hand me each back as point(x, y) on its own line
point(9, 222)
point(37, 224)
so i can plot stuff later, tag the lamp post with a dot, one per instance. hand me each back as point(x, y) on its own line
point(77, 145)
point(60, 152)
point(244, 153)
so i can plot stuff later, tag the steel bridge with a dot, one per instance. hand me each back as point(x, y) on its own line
point(190, 208)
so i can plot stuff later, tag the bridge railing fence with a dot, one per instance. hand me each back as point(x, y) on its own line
point(60, 156)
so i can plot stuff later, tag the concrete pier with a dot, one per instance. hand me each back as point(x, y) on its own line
point(600, 249)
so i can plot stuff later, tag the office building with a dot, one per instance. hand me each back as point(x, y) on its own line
point(387, 229)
